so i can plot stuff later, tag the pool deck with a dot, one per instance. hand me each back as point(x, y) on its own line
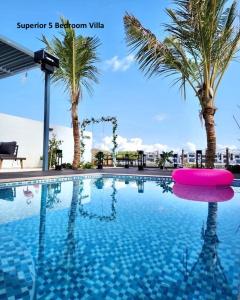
point(26, 175)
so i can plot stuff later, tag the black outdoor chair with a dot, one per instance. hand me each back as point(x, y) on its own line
point(9, 151)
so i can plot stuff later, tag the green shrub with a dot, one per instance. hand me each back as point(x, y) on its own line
point(67, 166)
point(54, 145)
point(86, 165)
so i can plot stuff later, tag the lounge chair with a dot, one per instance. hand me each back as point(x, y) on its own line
point(9, 151)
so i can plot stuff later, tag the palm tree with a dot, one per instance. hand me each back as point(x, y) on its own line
point(165, 157)
point(202, 40)
point(78, 56)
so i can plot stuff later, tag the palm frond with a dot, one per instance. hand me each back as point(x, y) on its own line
point(155, 57)
point(78, 58)
point(203, 38)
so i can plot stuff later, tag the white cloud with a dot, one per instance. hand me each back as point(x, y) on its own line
point(132, 144)
point(160, 117)
point(120, 64)
point(223, 147)
point(118, 184)
point(191, 147)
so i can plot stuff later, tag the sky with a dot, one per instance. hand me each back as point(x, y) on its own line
point(151, 113)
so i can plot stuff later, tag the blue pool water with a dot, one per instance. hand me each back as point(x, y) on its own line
point(116, 238)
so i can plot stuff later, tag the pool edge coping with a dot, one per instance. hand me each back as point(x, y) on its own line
point(42, 179)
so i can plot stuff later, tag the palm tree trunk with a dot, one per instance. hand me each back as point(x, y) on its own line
point(209, 249)
point(208, 116)
point(76, 135)
point(71, 243)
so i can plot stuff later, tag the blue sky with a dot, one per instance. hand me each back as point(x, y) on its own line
point(147, 109)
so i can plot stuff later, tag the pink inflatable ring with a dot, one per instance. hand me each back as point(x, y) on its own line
point(203, 193)
point(207, 177)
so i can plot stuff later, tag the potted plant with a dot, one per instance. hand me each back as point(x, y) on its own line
point(163, 159)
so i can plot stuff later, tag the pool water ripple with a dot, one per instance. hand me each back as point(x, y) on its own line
point(116, 238)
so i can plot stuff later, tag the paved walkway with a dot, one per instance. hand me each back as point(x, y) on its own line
point(11, 176)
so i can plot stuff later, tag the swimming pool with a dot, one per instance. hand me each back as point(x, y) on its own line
point(116, 237)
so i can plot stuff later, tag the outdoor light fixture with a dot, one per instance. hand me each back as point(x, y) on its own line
point(140, 160)
point(175, 160)
point(126, 161)
point(227, 157)
point(144, 160)
point(182, 158)
point(48, 64)
point(59, 156)
point(100, 158)
point(199, 160)
point(47, 61)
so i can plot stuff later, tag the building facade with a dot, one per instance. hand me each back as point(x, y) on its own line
point(190, 158)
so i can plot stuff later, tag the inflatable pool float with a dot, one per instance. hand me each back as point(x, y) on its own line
point(203, 193)
point(203, 177)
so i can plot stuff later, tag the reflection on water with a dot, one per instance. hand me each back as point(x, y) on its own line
point(54, 191)
point(84, 213)
point(8, 194)
point(207, 274)
point(166, 186)
point(140, 185)
point(79, 246)
point(65, 257)
point(203, 193)
point(28, 194)
point(99, 183)
point(70, 240)
point(42, 222)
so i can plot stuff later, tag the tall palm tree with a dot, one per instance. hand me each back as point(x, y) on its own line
point(78, 56)
point(202, 40)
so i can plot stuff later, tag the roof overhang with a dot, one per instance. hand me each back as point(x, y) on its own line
point(14, 58)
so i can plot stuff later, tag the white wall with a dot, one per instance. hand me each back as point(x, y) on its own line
point(66, 135)
point(29, 135)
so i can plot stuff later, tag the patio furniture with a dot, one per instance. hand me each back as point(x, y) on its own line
point(9, 151)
